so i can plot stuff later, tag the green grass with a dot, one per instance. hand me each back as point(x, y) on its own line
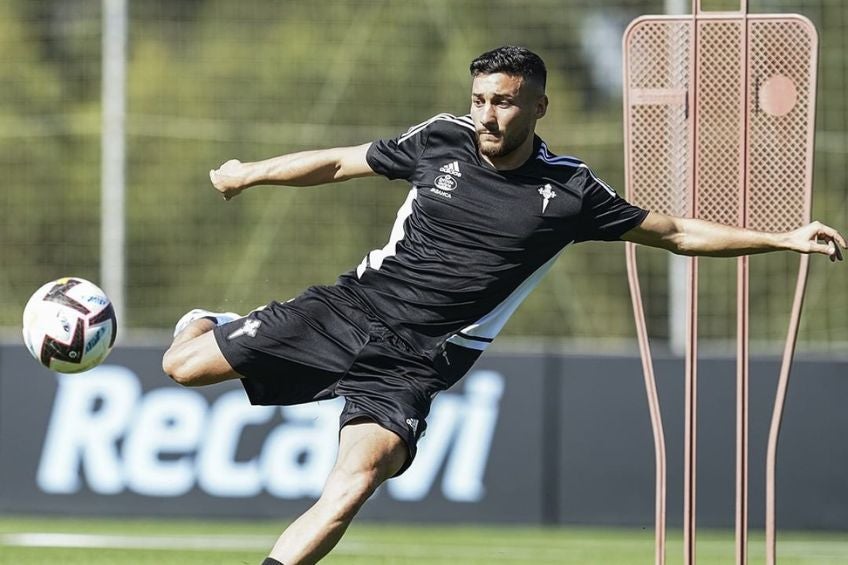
point(165, 542)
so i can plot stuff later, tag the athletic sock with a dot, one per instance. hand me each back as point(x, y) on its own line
point(271, 561)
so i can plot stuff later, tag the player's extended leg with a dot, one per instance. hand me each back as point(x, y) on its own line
point(368, 455)
point(194, 358)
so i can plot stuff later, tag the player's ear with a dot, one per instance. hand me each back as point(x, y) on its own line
point(542, 106)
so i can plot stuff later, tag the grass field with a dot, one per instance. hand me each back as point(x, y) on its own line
point(30, 541)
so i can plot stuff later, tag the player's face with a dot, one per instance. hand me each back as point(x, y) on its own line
point(505, 109)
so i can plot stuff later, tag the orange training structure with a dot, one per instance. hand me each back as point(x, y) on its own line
point(719, 118)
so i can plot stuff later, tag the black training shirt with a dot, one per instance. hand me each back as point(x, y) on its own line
point(470, 242)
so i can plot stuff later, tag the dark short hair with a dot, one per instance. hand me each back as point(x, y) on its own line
point(511, 60)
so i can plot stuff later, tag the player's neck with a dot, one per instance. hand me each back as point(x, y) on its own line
point(513, 159)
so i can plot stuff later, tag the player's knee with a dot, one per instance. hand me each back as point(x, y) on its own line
point(349, 490)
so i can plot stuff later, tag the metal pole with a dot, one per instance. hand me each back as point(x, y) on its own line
point(743, 323)
point(677, 265)
point(660, 487)
point(113, 153)
point(777, 413)
point(677, 7)
point(690, 440)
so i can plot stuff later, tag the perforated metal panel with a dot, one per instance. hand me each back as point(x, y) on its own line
point(721, 162)
point(658, 136)
point(719, 121)
point(782, 61)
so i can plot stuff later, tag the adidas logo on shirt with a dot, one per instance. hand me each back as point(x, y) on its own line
point(451, 169)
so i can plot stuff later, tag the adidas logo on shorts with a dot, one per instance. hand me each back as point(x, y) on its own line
point(413, 423)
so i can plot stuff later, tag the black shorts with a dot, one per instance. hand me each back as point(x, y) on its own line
point(327, 343)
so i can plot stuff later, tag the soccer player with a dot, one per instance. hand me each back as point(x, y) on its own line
point(489, 211)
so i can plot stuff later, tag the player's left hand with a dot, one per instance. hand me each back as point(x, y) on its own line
point(817, 238)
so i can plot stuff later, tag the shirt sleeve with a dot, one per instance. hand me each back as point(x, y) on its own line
point(605, 216)
point(396, 158)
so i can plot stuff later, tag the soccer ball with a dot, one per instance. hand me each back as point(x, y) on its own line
point(69, 325)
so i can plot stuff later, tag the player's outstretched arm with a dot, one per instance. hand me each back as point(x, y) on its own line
point(687, 236)
point(305, 168)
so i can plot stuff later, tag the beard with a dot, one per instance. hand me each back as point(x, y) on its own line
point(504, 145)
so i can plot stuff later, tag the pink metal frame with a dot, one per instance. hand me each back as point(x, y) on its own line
point(715, 105)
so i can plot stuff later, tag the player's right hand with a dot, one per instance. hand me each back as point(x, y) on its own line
point(228, 179)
